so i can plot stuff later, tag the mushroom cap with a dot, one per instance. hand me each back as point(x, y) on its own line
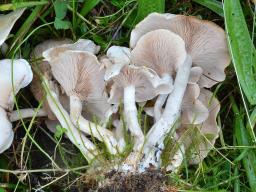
point(79, 73)
point(161, 50)
point(147, 84)
point(45, 68)
point(205, 42)
point(80, 45)
point(118, 57)
point(193, 111)
point(6, 136)
point(22, 76)
point(6, 23)
point(199, 139)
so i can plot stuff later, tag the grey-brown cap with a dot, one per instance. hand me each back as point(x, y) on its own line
point(161, 50)
point(146, 82)
point(6, 23)
point(205, 42)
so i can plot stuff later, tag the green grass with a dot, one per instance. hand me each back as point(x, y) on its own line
point(38, 160)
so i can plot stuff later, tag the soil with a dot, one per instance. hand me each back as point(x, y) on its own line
point(149, 181)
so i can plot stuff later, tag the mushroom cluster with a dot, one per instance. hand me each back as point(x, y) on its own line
point(168, 69)
point(15, 74)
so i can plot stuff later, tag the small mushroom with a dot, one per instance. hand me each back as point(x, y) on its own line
point(162, 51)
point(135, 84)
point(87, 148)
point(118, 56)
point(6, 23)
point(43, 68)
point(15, 74)
point(79, 73)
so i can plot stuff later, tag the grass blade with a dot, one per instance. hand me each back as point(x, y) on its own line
point(19, 5)
point(241, 48)
point(243, 139)
point(213, 5)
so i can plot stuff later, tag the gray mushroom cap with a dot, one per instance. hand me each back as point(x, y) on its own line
point(205, 42)
point(146, 82)
point(6, 23)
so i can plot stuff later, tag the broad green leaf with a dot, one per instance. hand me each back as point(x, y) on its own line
point(59, 132)
point(241, 48)
point(60, 8)
point(146, 7)
point(61, 24)
point(213, 5)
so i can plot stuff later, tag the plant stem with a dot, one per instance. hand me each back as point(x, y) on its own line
point(170, 116)
point(26, 113)
point(91, 128)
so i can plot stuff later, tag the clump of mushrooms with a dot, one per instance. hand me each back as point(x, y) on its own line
point(206, 47)
point(172, 62)
point(15, 75)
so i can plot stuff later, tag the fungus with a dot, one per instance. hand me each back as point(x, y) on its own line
point(206, 47)
point(162, 51)
point(6, 23)
point(15, 74)
point(79, 73)
point(135, 84)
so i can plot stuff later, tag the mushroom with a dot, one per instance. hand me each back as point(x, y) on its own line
point(6, 136)
point(135, 84)
point(118, 57)
point(206, 47)
point(205, 42)
point(87, 148)
point(6, 23)
point(15, 74)
point(43, 68)
point(162, 51)
point(79, 73)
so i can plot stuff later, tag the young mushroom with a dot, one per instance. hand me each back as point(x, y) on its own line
point(162, 51)
point(79, 73)
point(135, 84)
point(15, 74)
point(206, 47)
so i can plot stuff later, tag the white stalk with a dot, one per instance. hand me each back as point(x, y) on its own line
point(165, 125)
point(90, 128)
point(87, 148)
point(26, 113)
point(161, 98)
point(130, 114)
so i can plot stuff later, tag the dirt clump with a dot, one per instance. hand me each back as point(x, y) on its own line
point(149, 181)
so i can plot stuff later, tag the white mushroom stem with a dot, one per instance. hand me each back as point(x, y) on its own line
point(130, 112)
point(165, 125)
point(161, 98)
point(87, 148)
point(91, 128)
point(26, 113)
